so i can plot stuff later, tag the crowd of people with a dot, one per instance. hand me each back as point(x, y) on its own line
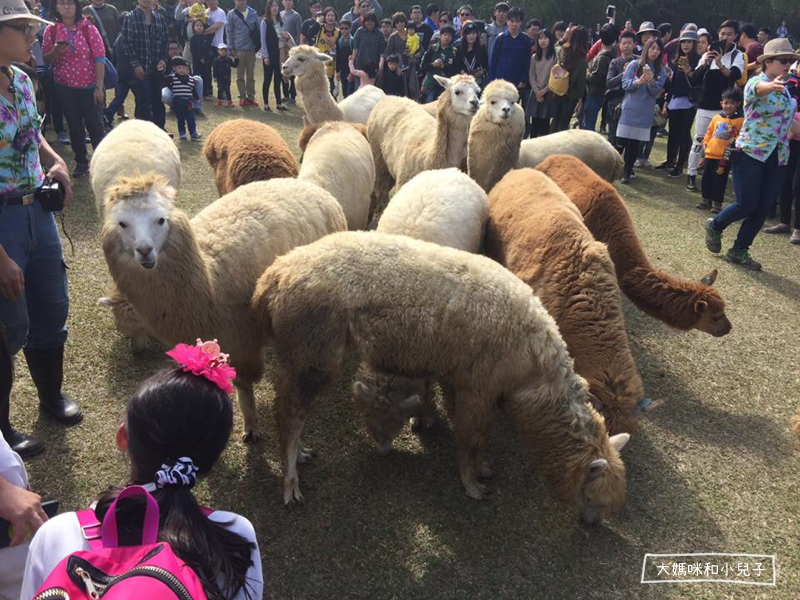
point(737, 89)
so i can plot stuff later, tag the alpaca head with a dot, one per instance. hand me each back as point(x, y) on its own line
point(461, 92)
point(139, 208)
point(304, 59)
point(499, 100)
point(709, 308)
point(387, 403)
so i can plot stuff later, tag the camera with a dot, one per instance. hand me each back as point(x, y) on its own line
point(51, 196)
point(611, 11)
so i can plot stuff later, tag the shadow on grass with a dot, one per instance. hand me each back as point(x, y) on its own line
point(783, 286)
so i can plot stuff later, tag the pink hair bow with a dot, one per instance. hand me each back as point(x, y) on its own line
point(206, 360)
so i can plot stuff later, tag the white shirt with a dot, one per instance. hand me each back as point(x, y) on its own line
point(61, 536)
point(214, 17)
point(12, 560)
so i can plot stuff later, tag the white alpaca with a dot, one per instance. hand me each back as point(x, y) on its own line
point(589, 146)
point(406, 140)
point(307, 65)
point(338, 158)
point(444, 206)
point(495, 134)
point(194, 279)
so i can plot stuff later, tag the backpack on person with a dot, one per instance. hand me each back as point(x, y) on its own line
point(151, 570)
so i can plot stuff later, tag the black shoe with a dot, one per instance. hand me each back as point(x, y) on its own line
point(743, 258)
point(625, 178)
point(676, 172)
point(47, 372)
point(691, 184)
point(665, 166)
point(20, 443)
point(81, 170)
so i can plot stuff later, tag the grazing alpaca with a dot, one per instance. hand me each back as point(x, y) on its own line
point(194, 279)
point(307, 65)
point(405, 139)
point(242, 151)
point(589, 146)
point(680, 304)
point(420, 309)
point(538, 234)
point(495, 134)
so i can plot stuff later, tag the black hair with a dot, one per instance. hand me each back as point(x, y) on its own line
point(430, 9)
point(171, 415)
point(447, 29)
point(766, 30)
point(314, 2)
point(371, 16)
point(386, 22)
point(551, 48)
point(467, 8)
point(371, 69)
point(576, 45)
point(664, 29)
point(172, 41)
point(732, 24)
point(627, 33)
point(268, 14)
point(516, 14)
point(609, 34)
point(415, 7)
point(533, 23)
point(748, 29)
point(411, 24)
point(393, 58)
point(57, 17)
point(443, 13)
point(734, 94)
point(399, 17)
point(559, 26)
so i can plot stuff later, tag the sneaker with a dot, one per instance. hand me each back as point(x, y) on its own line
point(243, 102)
point(267, 108)
point(625, 179)
point(230, 103)
point(779, 228)
point(716, 207)
point(252, 103)
point(62, 137)
point(197, 135)
point(122, 116)
point(676, 172)
point(633, 174)
point(665, 166)
point(703, 204)
point(603, 131)
point(81, 170)
point(183, 136)
point(713, 238)
point(691, 183)
point(218, 103)
point(641, 162)
point(208, 98)
point(743, 258)
point(795, 237)
point(290, 102)
point(282, 107)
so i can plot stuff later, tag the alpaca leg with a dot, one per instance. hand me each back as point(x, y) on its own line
point(471, 432)
point(247, 404)
point(426, 416)
point(383, 185)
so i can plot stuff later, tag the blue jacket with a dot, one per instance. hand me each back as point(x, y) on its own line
point(639, 101)
point(510, 58)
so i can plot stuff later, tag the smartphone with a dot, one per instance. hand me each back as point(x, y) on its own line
point(50, 508)
point(611, 10)
point(720, 47)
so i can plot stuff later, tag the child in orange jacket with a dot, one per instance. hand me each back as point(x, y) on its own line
point(720, 136)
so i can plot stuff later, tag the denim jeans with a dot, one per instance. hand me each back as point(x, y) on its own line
point(184, 111)
point(591, 109)
point(166, 93)
point(433, 95)
point(38, 318)
point(148, 100)
point(120, 94)
point(756, 186)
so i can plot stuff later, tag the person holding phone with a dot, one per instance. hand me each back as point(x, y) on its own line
point(719, 68)
point(760, 166)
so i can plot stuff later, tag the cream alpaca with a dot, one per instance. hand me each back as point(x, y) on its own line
point(412, 307)
point(405, 140)
point(194, 279)
point(338, 159)
point(590, 147)
point(495, 134)
point(307, 65)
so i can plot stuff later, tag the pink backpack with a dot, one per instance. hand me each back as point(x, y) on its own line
point(109, 571)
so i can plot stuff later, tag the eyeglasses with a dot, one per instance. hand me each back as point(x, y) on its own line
point(783, 61)
point(27, 30)
point(464, 15)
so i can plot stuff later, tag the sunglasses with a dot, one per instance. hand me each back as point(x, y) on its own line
point(27, 30)
point(464, 15)
point(784, 61)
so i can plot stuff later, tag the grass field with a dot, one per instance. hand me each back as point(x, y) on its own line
point(715, 469)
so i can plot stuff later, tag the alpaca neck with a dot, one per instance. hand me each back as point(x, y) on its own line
point(661, 296)
point(316, 96)
point(450, 142)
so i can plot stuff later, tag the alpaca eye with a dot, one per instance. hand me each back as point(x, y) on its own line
point(458, 93)
point(493, 102)
point(123, 224)
point(161, 221)
point(301, 59)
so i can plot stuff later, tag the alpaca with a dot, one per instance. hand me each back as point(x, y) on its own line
point(405, 139)
point(592, 148)
point(680, 304)
point(339, 159)
point(796, 423)
point(495, 134)
point(538, 234)
point(132, 146)
point(309, 131)
point(422, 310)
point(241, 151)
point(191, 279)
point(127, 320)
point(307, 65)
point(443, 206)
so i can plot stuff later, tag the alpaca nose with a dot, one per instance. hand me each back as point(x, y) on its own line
point(474, 103)
point(144, 249)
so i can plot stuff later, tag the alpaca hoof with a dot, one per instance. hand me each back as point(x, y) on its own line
point(476, 491)
point(305, 455)
point(291, 493)
point(250, 437)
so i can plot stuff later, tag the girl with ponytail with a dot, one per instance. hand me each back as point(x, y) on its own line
point(178, 423)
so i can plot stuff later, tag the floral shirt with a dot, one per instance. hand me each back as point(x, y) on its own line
point(20, 169)
point(75, 67)
point(767, 120)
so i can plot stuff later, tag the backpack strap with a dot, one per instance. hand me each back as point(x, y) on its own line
point(90, 528)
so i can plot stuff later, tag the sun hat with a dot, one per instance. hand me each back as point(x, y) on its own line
point(645, 27)
point(13, 10)
point(702, 31)
point(778, 47)
point(689, 34)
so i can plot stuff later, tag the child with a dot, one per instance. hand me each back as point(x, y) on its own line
point(344, 50)
point(183, 96)
point(177, 425)
point(719, 139)
point(200, 45)
point(391, 80)
point(386, 28)
point(222, 66)
point(366, 76)
point(413, 46)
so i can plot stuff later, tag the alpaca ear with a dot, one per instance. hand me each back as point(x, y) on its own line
point(443, 81)
point(107, 301)
point(700, 306)
point(618, 441)
point(596, 468)
point(323, 58)
point(710, 278)
point(411, 404)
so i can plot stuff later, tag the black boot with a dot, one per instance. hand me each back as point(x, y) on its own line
point(21, 444)
point(47, 372)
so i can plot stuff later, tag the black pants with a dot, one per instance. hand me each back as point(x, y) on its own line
point(679, 142)
point(613, 121)
point(791, 187)
point(714, 184)
point(81, 110)
point(289, 90)
point(272, 74)
point(563, 108)
point(631, 154)
point(51, 102)
point(223, 89)
point(539, 127)
point(204, 70)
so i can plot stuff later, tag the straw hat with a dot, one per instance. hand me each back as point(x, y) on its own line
point(13, 10)
point(777, 48)
point(646, 27)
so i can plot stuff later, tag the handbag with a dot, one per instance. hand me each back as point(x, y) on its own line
point(111, 77)
point(559, 80)
point(255, 34)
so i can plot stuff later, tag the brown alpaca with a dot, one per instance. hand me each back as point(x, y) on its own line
point(242, 151)
point(680, 304)
point(538, 234)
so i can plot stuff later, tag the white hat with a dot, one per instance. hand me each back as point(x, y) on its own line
point(15, 10)
point(222, 47)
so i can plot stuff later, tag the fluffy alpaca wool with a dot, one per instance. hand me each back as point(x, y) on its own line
point(678, 303)
point(443, 206)
point(338, 158)
point(207, 267)
point(420, 309)
point(590, 147)
point(538, 234)
point(309, 131)
point(242, 151)
point(307, 65)
point(495, 134)
point(134, 146)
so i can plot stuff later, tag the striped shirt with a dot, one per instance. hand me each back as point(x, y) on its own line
point(182, 87)
point(370, 45)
